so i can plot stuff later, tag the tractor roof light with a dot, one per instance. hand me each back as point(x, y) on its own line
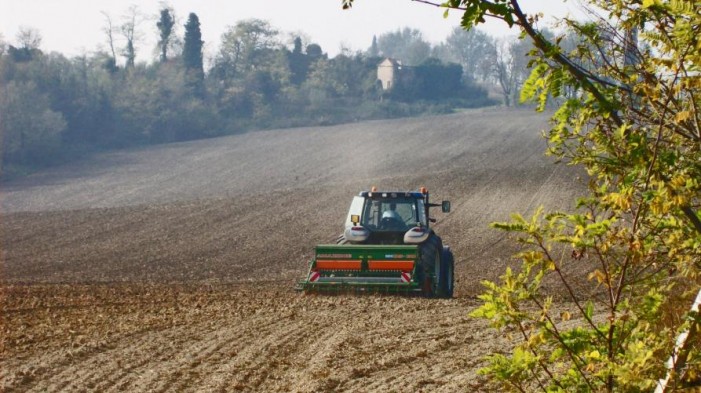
point(373, 189)
point(423, 190)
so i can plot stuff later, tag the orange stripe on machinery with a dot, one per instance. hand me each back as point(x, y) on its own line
point(338, 264)
point(405, 266)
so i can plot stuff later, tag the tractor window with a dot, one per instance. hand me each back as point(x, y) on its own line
point(391, 214)
point(422, 212)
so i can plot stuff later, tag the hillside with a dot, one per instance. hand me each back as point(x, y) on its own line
point(253, 205)
point(197, 238)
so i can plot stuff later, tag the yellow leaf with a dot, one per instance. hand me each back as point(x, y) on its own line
point(679, 200)
point(600, 277)
point(681, 116)
point(678, 181)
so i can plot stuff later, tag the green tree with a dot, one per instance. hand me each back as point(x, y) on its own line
point(632, 121)
point(192, 55)
point(30, 131)
point(314, 52)
point(165, 29)
point(468, 48)
point(246, 46)
point(437, 80)
point(406, 45)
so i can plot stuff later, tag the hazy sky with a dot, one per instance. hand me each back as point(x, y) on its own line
point(74, 26)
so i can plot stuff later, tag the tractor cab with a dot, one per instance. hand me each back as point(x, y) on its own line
point(390, 217)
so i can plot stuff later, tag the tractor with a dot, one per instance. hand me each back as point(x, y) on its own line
point(387, 246)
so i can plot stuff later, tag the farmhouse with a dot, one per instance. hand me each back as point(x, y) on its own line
point(388, 72)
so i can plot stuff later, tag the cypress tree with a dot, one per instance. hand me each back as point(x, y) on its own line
point(192, 55)
point(374, 50)
point(299, 64)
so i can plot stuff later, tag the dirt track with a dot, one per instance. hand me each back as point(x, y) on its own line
point(172, 268)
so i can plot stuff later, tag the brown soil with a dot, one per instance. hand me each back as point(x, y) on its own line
point(172, 268)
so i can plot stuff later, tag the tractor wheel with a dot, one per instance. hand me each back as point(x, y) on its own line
point(430, 266)
point(437, 284)
point(448, 274)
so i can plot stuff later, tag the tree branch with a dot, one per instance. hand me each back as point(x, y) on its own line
point(546, 47)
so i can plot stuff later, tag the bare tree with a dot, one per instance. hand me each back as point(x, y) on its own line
point(131, 21)
point(509, 66)
point(502, 67)
point(28, 38)
point(108, 29)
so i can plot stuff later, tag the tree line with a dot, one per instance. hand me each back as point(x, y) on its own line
point(54, 108)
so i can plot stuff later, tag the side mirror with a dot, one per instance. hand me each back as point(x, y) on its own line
point(355, 219)
point(445, 206)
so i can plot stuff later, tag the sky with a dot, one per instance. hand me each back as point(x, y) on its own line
point(74, 27)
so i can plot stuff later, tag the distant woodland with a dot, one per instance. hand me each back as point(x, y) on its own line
point(55, 109)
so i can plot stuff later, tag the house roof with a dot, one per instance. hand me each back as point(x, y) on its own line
point(388, 61)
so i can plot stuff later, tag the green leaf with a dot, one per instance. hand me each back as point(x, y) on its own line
point(589, 309)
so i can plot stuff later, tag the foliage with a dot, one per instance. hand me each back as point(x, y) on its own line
point(632, 121)
point(630, 117)
point(29, 129)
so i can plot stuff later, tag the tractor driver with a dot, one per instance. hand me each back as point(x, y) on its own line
point(391, 216)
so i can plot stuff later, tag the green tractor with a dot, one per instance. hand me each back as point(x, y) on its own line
point(387, 246)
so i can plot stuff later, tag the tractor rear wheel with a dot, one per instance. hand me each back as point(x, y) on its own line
point(428, 272)
point(447, 274)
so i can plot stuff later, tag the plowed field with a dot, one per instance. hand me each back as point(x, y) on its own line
point(173, 268)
